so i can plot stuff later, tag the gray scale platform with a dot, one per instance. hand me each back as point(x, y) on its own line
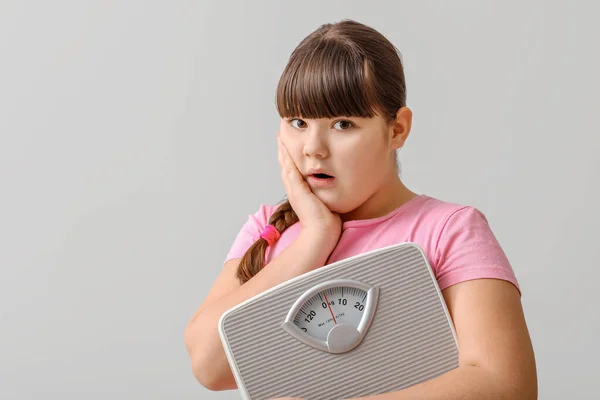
point(410, 338)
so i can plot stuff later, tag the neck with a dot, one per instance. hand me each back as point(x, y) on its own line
point(389, 197)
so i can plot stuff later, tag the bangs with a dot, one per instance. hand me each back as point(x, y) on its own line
point(329, 80)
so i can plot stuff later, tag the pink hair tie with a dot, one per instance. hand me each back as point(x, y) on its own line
point(270, 234)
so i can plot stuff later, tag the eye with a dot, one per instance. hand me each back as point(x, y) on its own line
point(344, 125)
point(301, 124)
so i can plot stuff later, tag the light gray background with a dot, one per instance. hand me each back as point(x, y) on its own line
point(137, 136)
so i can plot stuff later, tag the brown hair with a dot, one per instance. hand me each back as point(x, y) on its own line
point(341, 69)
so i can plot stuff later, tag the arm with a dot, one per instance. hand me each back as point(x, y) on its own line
point(209, 362)
point(496, 358)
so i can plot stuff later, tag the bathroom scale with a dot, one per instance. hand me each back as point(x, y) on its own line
point(372, 323)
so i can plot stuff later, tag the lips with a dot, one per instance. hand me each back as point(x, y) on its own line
point(320, 173)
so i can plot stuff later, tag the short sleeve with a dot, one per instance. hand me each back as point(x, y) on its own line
point(249, 233)
point(467, 249)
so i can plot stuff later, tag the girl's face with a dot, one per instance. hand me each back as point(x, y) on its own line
point(358, 152)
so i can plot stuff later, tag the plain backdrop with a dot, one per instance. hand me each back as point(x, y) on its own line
point(137, 137)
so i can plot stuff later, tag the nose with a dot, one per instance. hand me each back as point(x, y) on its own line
point(315, 144)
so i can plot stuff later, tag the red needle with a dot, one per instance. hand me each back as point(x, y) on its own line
point(330, 308)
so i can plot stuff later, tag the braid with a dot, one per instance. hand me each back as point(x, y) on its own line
point(254, 258)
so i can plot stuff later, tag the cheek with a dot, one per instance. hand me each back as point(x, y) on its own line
point(293, 145)
point(366, 161)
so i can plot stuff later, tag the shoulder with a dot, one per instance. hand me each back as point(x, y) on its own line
point(264, 212)
point(251, 229)
point(440, 214)
point(260, 217)
point(442, 208)
point(453, 223)
point(462, 243)
point(434, 216)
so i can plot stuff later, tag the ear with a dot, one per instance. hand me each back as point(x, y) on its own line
point(401, 128)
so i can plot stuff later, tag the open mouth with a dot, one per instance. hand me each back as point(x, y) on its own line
point(322, 176)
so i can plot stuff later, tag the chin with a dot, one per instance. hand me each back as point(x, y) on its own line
point(337, 205)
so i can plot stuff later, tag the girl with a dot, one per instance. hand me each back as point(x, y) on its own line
point(342, 100)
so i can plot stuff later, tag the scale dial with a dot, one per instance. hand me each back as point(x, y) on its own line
point(333, 316)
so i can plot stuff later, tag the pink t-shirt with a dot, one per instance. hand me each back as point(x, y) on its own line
point(456, 239)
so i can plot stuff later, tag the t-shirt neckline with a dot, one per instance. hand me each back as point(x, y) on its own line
point(370, 221)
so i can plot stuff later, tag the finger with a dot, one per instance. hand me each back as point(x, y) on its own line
point(289, 164)
point(285, 160)
point(295, 179)
point(291, 176)
point(290, 173)
point(287, 169)
point(279, 152)
point(284, 166)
